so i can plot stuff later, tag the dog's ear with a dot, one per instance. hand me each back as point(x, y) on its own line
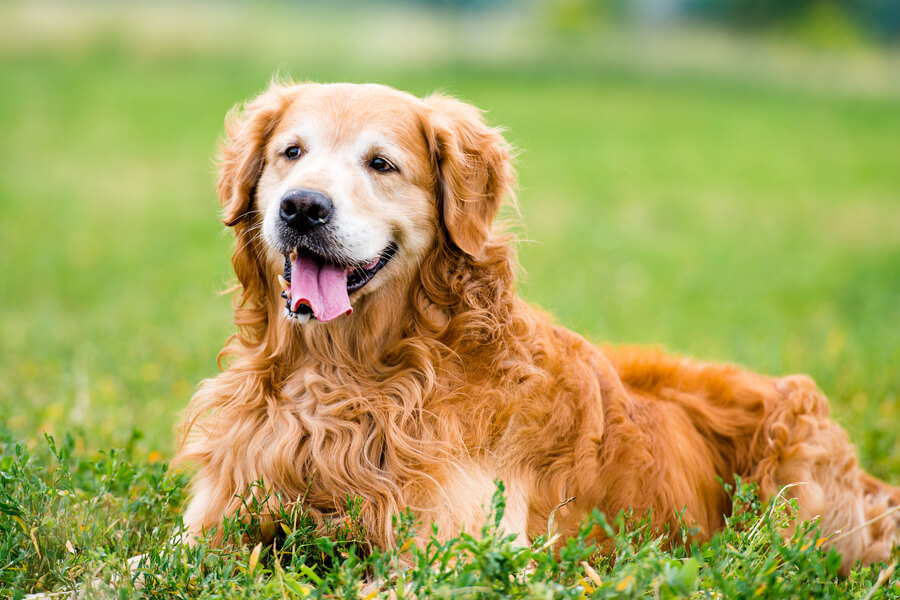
point(474, 170)
point(242, 156)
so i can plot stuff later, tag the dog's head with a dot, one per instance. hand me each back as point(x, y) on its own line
point(338, 190)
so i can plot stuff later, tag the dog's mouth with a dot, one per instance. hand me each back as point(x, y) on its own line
point(317, 287)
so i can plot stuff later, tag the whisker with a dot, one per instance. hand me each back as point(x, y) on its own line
point(253, 238)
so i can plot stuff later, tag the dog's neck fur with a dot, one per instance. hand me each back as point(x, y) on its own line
point(454, 304)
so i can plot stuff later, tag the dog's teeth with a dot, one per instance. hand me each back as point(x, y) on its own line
point(293, 256)
point(283, 283)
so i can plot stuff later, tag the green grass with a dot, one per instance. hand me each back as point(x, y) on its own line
point(75, 525)
point(730, 218)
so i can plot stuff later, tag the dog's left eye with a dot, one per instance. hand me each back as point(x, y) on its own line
point(382, 165)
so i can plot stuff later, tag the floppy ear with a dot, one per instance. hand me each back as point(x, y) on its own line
point(474, 170)
point(242, 157)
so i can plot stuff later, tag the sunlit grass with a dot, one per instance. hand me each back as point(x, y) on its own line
point(72, 526)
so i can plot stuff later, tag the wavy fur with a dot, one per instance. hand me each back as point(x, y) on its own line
point(442, 379)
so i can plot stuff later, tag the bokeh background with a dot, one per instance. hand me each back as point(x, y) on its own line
point(717, 177)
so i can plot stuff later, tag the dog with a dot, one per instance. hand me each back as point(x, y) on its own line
point(382, 353)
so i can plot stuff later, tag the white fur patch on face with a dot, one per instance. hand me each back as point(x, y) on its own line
point(360, 227)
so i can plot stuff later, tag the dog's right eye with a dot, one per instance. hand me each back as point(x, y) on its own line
point(292, 152)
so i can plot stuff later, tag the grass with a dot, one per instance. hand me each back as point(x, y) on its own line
point(114, 507)
point(730, 218)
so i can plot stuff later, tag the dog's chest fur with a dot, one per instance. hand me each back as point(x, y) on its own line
point(327, 436)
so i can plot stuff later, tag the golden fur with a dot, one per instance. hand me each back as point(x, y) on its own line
point(442, 379)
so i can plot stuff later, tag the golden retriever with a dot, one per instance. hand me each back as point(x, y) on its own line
point(382, 353)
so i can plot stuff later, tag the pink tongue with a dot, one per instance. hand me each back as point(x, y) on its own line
point(322, 287)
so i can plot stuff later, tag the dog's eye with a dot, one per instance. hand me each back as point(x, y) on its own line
point(381, 165)
point(292, 152)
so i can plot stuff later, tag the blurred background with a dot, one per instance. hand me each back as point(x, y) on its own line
point(717, 177)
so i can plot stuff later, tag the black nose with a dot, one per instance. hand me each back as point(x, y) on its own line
point(304, 210)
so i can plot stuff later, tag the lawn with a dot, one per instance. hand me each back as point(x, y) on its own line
point(746, 219)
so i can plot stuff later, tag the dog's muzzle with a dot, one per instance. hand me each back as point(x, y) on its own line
point(317, 287)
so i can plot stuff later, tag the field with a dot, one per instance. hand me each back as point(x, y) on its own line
point(733, 215)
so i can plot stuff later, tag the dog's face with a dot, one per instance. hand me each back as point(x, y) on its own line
point(346, 191)
point(351, 185)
